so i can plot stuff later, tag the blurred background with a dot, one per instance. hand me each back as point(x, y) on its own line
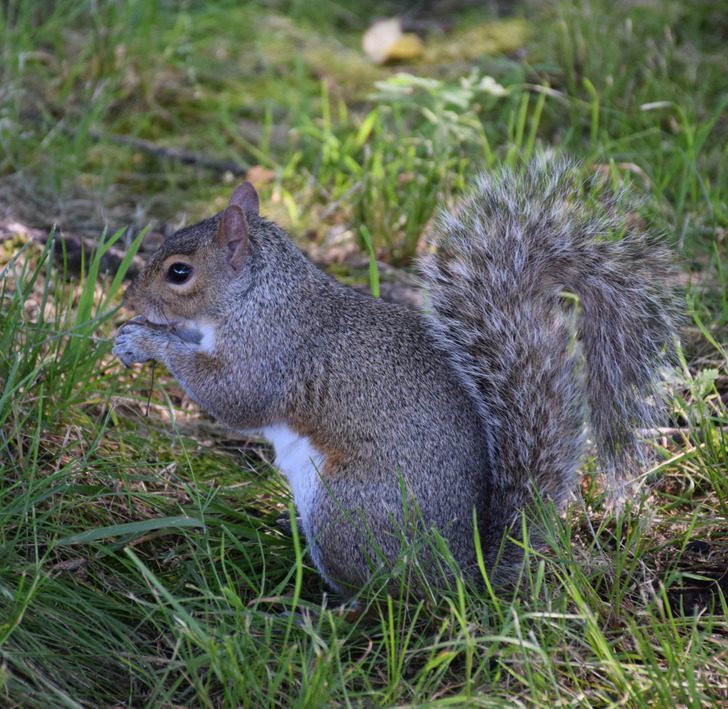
point(347, 114)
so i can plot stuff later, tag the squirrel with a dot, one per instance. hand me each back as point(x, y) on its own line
point(547, 305)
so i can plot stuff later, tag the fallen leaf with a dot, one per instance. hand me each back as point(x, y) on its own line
point(384, 41)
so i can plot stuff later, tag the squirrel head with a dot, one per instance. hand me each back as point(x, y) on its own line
point(186, 278)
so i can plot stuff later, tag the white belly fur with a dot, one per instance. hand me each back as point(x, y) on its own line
point(300, 462)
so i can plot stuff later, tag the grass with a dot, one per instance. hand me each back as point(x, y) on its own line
point(141, 558)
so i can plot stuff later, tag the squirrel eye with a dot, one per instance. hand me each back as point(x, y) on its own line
point(179, 272)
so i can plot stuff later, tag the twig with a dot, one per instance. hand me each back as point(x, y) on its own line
point(184, 156)
point(677, 434)
point(75, 246)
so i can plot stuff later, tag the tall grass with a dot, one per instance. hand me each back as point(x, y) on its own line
point(142, 558)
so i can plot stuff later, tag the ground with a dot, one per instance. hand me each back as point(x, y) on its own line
point(144, 562)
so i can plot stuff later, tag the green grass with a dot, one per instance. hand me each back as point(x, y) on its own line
point(142, 562)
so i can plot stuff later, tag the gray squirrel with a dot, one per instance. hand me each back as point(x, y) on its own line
point(547, 306)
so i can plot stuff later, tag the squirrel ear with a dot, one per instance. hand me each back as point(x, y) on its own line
point(232, 236)
point(246, 198)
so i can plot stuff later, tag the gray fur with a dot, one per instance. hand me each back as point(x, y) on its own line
point(457, 411)
point(518, 242)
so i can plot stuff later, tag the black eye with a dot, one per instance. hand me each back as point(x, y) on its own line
point(179, 272)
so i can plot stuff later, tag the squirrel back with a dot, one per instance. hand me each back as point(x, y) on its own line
point(460, 412)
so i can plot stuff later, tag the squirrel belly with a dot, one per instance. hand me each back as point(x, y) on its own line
point(297, 458)
point(403, 448)
point(389, 423)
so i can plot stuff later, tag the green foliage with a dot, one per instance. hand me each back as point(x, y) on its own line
point(142, 566)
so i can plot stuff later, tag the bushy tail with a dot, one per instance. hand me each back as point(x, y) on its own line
point(535, 270)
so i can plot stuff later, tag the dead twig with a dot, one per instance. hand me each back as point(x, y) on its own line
point(184, 156)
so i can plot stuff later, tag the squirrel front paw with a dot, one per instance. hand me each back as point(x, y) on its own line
point(137, 342)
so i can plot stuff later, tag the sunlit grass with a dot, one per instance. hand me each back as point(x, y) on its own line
point(142, 558)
